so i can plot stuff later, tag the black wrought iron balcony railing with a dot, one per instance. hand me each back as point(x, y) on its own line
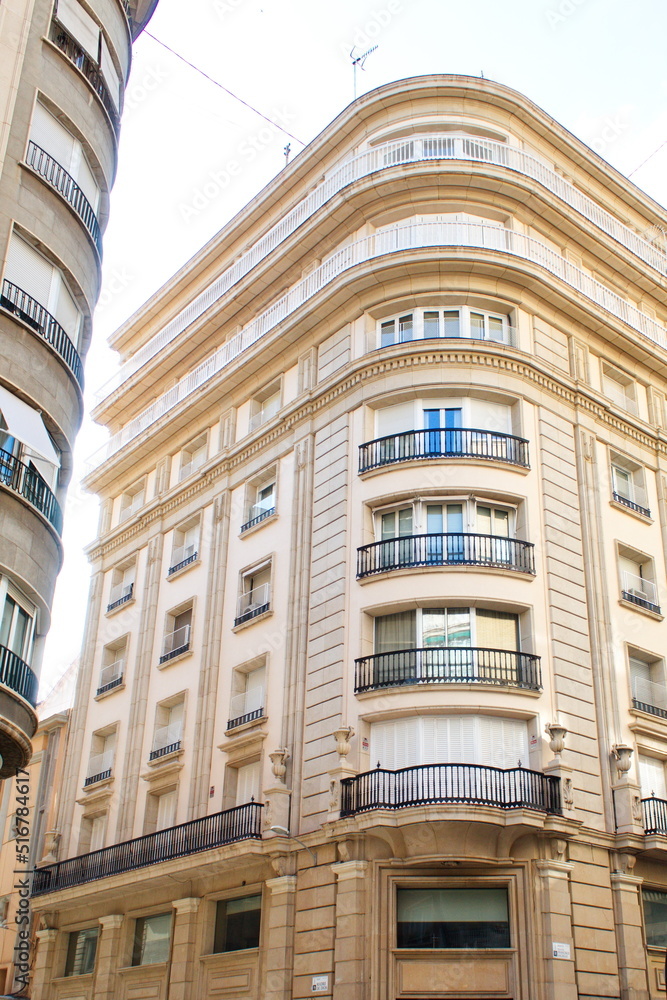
point(433, 784)
point(654, 814)
point(63, 182)
point(163, 751)
point(258, 519)
point(92, 779)
point(20, 304)
point(182, 563)
point(463, 442)
point(27, 483)
point(17, 675)
point(240, 720)
point(78, 58)
point(627, 502)
point(451, 549)
point(120, 596)
point(241, 823)
point(448, 665)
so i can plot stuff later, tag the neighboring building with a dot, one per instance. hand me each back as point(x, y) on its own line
point(376, 598)
point(63, 68)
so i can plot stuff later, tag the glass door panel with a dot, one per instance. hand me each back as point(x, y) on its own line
point(431, 325)
point(452, 323)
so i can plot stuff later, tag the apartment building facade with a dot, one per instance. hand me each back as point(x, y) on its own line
point(63, 69)
point(372, 699)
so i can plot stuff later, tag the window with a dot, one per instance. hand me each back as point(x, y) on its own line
point(490, 741)
point(652, 777)
point(628, 486)
point(168, 729)
point(102, 752)
point(248, 777)
point(193, 456)
point(24, 436)
point(637, 580)
point(237, 923)
point(122, 585)
point(460, 322)
point(439, 628)
point(648, 685)
point(113, 665)
point(152, 936)
point(655, 917)
point(452, 918)
point(98, 831)
point(265, 405)
point(255, 597)
point(132, 500)
point(247, 703)
point(178, 633)
point(17, 622)
point(50, 136)
point(86, 34)
point(469, 516)
point(81, 951)
point(186, 546)
point(28, 271)
point(262, 504)
point(619, 388)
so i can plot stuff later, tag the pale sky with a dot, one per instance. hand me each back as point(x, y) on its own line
point(596, 66)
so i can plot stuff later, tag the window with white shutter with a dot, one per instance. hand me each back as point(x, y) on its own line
point(79, 25)
point(42, 281)
point(652, 777)
point(247, 783)
point(51, 135)
point(451, 739)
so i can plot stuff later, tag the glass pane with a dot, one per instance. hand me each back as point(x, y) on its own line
point(6, 623)
point(655, 917)
point(405, 521)
point(622, 480)
point(433, 627)
point(431, 324)
point(477, 325)
point(394, 632)
point(455, 517)
point(431, 419)
point(237, 924)
point(434, 519)
point(387, 334)
point(452, 324)
point(452, 918)
point(453, 418)
point(81, 949)
point(484, 520)
point(388, 523)
point(151, 939)
point(458, 627)
point(22, 622)
point(495, 327)
point(501, 522)
point(405, 328)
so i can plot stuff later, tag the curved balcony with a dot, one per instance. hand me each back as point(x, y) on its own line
point(62, 182)
point(27, 483)
point(73, 51)
point(431, 784)
point(462, 442)
point(450, 549)
point(17, 676)
point(654, 813)
point(20, 304)
point(448, 665)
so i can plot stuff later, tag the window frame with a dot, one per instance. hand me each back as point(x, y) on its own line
point(417, 317)
point(10, 592)
point(72, 937)
point(234, 899)
point(138, 948)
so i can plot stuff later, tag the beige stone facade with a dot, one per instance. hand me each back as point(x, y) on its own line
point(372, 700)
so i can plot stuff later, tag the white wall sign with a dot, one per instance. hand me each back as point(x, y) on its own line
point(320, 984)
point(560, 950)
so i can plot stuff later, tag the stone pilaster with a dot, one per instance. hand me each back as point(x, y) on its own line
point(559, 975)
point(43, 971)
point(629, 938)
point(108, 956)
point(350, 944)
point(183, 974)
point(279, 939)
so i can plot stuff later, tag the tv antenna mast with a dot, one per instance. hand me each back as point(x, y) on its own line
point(359, 61)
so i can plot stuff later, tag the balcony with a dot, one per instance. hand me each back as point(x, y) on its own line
point(258, 513)
point(120, 595)
point(167, 740)
point(463, 442)
point(183, 556)
point(647, 696)
point(62, 182)
point(431, 784)
point(175, 643)
point(654, 813)
point(253, 604)
point(246, 707)
point(16, 675)
point(453, 549)
point(448, 665)
point(78, 58)
point(633, 497)
point(100, 766)
point(639, 591)
point(227, 827)
point(29, 311)
point(27, 483)
point(111, 676)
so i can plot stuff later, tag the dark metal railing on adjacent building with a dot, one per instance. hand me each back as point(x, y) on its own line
point(241, 823)
point(59, 179)
point(17, 675)
point(21, 479)
point(241, 720)
point(258, 520)
point(448, 665)
point(654, 812)
point(78, 58)
point(431, 784)
point(451, 549)
point(461, 442)
point(627, 502)
point(163, 751)
point(20, 304)
point(182, 564)
point(123, 599)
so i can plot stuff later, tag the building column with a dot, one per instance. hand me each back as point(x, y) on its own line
point(43, 971)
point(108, 956)
point(350, 944)
point(182, 973)
point(629, 938)
point(279, 939)
point(558, 943)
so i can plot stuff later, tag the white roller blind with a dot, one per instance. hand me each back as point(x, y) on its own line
point(97, 831)
point(80, 25)
point(109, 73)
point(395, 419)
point(52, 137)
point(27, 425)
point(451, 739)
point(66, 312)
point(652, 777)
point(490, 416)
point(247, 783)
point(496, 629)
point(86, 181)
point(29, 270)
point(166, 810)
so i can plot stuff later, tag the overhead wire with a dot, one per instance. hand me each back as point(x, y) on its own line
point(650, 157)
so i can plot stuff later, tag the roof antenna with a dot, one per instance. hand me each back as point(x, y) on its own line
point(359, 61)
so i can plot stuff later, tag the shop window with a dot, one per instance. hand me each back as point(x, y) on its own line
point(152, 936)
point(655, 917)
point(237, 924)
point(452, 918)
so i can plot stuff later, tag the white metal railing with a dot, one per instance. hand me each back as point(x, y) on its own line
point(246, 702)
point(99, 763)
point(177, 639)
point(387, 155)
point(616, 392)
point(112, 672)
point(120, 592)
point(254, 599)
point(261, 416)
point(630, 491)
point(637, 586)
point(132, 507)
point(166, 736)
point(649, 693)
point(429, 234)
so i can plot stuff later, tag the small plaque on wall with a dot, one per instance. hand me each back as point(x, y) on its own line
point(320, 984)
point(560, 950)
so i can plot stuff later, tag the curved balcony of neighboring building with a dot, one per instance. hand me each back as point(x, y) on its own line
point(19, 621)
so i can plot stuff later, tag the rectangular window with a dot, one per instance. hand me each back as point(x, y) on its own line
point(619, 388)
point(168, 734)
point(237, 924)
point(655, 917)
point(193, 456)
point(248, 703)
point(53, 138)
point(247, 783)
point(151, 939)
point(637, 580)
point(30, 272)
point(628, 486)
point(265, 405)
point(122, 585)
point(113, 665)
point(186, 546)
point(16, 626)
point(261, 502)
point(648, 686)
point(132, 500)
point(255, 597)
point(652, 777)
point(102, 753)
point(81, 951)
point(178, 634)
point(452, 918)
point(166, 810)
